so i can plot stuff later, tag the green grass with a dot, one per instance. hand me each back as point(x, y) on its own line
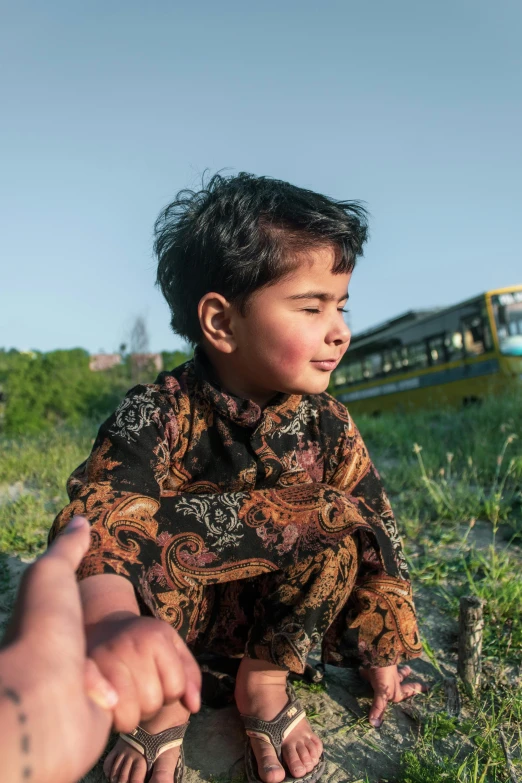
point(452, 465)
point(464, 474)
point(477, 754)
point(36, 469)
point(444, 470)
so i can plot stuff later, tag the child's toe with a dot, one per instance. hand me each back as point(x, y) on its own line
point(122, 775)
point(304, 754)
point(293, 761)
point(109, 763)
point(268, 767)
point(137, 772)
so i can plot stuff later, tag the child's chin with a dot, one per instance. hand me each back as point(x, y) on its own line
point(315, 387)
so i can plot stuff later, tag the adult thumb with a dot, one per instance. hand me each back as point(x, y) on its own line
point(98, 689)
point(72, 543)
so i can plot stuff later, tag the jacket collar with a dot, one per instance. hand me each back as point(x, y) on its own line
point(246, 413)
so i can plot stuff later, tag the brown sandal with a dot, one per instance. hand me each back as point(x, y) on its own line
point(151, 746)
point(274, 731)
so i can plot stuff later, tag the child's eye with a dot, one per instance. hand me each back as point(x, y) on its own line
point(343, 310)
point(311, 310)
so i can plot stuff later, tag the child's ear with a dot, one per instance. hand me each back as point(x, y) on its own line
point(215, 318)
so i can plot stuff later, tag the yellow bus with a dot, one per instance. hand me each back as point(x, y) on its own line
point(453, 355)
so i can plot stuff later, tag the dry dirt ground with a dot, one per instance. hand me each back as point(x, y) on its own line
point(214, 741)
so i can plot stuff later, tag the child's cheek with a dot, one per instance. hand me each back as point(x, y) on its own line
point(294, 352)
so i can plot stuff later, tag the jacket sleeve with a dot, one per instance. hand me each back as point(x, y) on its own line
point(380, 614)
point(118, 487)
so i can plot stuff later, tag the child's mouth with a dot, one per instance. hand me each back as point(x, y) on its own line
point(326, 364)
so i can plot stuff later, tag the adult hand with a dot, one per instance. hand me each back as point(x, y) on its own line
point(55, 706)
point(387, 683)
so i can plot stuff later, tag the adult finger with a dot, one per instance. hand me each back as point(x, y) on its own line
point(97, 688)
point(48, 603)
point(380, 702)
point(71, 544)
point(127, 711)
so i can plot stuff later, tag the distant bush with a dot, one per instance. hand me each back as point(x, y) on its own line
point(42, 390)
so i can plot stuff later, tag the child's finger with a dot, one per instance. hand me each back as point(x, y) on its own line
point(179, 673)
point(404, 671)
point(411, 688)
point(192, 696)
point(377, 710)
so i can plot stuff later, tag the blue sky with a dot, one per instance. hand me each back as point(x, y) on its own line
point(109, 108)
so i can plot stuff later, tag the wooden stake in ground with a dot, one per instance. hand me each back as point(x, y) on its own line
point(471, 626)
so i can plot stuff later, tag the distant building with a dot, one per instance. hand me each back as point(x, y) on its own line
point(103, 361)
point(147, 361)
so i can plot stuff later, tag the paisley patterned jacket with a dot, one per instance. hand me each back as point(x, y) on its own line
point(188, 486)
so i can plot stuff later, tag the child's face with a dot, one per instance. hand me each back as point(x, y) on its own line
point(294, 333)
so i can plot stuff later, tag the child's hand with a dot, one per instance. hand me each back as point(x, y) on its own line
point(147, 663)
point(387, 684)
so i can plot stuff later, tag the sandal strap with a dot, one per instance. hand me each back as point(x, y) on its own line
point(153, 745)
point(274, 731)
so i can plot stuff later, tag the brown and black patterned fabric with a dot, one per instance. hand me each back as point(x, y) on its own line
point(265, 531)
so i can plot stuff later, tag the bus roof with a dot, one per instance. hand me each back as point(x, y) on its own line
point(405, 319)
point(411, 318)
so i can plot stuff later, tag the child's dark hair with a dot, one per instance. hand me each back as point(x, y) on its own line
point(239, 233)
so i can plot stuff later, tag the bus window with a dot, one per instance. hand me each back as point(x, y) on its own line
point(417, 356)
point(488, 337)
point(477, 336)
point(354, 372)
point(507, 309)
point(437, 350)
point(453, 344)
point(397, 359)
point(372, 365)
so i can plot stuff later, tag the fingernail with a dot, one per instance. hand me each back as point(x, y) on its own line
point(193, 693)
point(104, 697)
point(76, 523)
point(376, 722)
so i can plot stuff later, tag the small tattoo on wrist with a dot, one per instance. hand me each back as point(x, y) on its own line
point(6, 692)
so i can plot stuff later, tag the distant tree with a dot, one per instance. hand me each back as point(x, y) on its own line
point(139, 336)
point(172, 359)
point(139, 346)
point(42, 390)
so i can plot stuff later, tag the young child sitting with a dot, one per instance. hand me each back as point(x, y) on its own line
point(234, 498)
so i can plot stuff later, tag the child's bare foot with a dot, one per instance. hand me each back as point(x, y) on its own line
point(124, 764)
point(261, 692)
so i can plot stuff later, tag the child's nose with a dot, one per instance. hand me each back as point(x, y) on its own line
point(341, 334)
